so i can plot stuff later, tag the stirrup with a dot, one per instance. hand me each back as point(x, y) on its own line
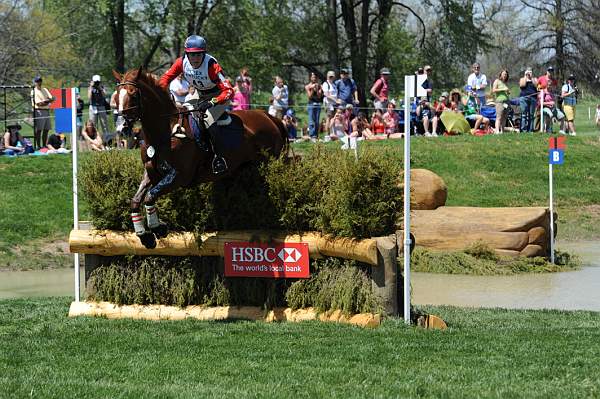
point(219, 165)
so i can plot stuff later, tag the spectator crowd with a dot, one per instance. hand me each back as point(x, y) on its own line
point(333, 109)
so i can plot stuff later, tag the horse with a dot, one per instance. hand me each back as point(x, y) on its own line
point(170, 154)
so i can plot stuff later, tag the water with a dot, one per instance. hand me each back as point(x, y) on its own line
point(55, 282)
point(569, 290)
point(578, 289)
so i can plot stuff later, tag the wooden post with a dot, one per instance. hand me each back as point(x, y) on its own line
point(384, 275)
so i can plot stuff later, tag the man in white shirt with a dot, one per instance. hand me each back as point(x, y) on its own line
point(179, 88)
point(478, 82)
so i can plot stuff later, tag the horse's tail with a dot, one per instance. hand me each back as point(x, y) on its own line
point(284, 134)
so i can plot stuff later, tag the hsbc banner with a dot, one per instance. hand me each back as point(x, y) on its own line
point(252, 259)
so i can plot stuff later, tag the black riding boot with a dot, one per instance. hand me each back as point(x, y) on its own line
point(201, 139)
point(219, 164)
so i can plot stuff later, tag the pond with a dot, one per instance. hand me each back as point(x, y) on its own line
point(578, 289)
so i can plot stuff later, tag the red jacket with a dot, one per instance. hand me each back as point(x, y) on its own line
point(224, 90)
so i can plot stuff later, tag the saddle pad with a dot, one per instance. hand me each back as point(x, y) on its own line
point(229, 137)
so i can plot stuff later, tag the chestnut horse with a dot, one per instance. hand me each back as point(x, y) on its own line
point(169, 152)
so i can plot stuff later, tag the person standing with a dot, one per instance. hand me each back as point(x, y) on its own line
point(314, 92)
point(527, 100)
point(380, 90)
point(501, 94)
point(247, 83)
point(478, 82)
point(569, 96)
point(239, 102)
point(280, 97)
point(97, 98)
point(346, 89)
point(330, 99)
point(40, 102)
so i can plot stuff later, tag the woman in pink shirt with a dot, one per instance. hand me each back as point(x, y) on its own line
point(240, 98)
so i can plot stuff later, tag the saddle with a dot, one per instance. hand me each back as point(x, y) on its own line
point(225, 134)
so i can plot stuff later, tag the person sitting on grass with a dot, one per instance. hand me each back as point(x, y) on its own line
point(390, 118)
point(337, 126)
point(440, 106)
point(377, 123)
point(91, 136)
point(471, 111)
point(14, 143)
point(360, 127)
point(56, 144)
point(424, 115)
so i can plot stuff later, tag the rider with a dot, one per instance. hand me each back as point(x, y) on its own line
point(202, 71)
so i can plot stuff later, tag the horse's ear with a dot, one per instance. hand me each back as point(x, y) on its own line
point(140, 71)
point(117, 75)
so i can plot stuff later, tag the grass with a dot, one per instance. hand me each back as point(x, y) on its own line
point(484, 353)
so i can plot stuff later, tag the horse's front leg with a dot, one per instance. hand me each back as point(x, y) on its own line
point(168, 183)
point(146, 237)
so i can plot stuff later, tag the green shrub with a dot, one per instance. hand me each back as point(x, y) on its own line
point(335, 284)
point(181, 281)
point(327, 190)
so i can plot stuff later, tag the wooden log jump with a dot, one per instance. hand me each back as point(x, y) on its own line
point(112, 243)
point(380, 253)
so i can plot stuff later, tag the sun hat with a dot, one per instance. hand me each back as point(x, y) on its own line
point(331, 73)
point(96, 78)
point(385, 71)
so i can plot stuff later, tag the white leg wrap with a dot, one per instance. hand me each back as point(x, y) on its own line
point(138, 222)
point(152, 216)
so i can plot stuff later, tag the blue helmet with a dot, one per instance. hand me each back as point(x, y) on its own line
point(194, 44)
point(290, 112)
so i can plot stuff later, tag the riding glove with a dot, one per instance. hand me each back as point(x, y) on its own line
point(204, 105)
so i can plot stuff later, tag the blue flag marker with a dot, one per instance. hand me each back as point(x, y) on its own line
point(556, 157)
point(62, 120)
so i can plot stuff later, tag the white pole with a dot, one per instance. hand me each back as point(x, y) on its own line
point(542, 111)
point(551, 214)
point(75, 200)
point(407, 87)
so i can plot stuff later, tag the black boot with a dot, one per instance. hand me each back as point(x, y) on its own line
point(200, 134)
point(219, 164)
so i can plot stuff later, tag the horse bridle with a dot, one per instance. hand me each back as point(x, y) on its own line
point(137, 101)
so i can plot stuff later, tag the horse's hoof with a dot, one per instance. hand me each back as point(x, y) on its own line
point(161, 230)
point(148, 240)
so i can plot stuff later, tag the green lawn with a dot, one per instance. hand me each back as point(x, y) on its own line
point(484, 353)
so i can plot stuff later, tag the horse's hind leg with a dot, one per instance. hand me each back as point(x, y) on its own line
point(146, 237)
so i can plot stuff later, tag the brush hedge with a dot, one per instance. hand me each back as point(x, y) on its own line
point(328, 191)
point(334, 284)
